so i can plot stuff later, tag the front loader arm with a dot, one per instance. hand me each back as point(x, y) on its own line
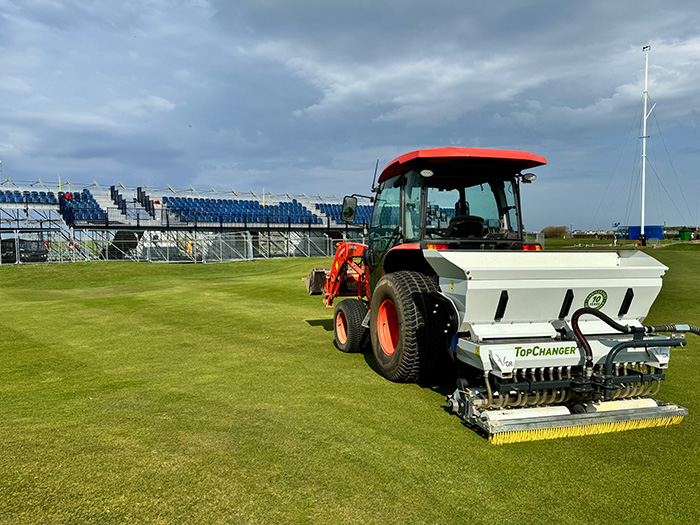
point(348, 275)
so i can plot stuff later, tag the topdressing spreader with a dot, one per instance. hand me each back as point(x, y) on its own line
point(546, 344)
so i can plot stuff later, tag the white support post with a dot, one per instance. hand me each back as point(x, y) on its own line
point(646, 50)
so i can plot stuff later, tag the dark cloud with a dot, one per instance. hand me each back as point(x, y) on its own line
point(303, 96)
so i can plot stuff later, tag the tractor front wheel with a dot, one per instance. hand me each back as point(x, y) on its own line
point(402, 333)
point(350, 336)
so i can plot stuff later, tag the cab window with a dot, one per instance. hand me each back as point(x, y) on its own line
point(386, 216)
point(479, 211)
point(413, 199)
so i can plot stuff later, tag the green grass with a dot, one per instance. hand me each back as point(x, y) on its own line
point(134, 393)
point(570, 242)
point(607, 244)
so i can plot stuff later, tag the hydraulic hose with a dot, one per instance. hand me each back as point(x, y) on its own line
point(625, 329)
point(672, 328)
point(583, 343)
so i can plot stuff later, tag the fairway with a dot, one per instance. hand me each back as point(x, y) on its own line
point(154, 393)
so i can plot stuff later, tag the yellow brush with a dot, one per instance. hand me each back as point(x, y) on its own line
point(540, 434)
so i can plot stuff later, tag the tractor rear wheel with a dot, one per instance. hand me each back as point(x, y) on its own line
point(350, 336)
point(402, 332)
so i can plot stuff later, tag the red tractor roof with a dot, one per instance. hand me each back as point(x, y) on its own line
point(521, 159)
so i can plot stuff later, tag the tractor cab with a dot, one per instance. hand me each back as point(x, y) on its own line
point(447, 198)
point(463, 206)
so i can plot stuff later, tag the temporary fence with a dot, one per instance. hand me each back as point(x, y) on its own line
point(63, 246)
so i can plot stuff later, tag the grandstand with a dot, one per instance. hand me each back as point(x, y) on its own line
point(86, 222)
point(235, 211)
point(333, 211)
point(27, 196)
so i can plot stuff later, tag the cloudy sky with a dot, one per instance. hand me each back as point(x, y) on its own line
point(306, 95)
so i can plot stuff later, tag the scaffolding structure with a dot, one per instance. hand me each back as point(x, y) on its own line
point(74, 222)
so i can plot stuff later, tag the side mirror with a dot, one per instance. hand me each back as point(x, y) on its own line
point(349, 209)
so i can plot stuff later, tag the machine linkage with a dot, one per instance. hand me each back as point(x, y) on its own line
point(556, 385)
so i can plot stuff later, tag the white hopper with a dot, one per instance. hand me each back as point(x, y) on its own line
point(536, 285)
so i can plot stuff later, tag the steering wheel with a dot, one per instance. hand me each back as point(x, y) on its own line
point(465, 226)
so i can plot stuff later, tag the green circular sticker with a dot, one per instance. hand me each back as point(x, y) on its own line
point(596, 299)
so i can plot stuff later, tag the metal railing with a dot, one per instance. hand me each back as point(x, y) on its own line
point(77, 245)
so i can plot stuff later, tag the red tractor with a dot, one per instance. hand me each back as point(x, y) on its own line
point(438, 199)
point(545, 344)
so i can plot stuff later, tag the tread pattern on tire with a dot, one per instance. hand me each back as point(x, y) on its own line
point(357, 335)
point(416, 358)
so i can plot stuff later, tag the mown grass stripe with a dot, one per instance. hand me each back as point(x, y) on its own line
point(213, 394)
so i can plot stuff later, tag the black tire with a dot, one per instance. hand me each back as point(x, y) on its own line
point(350, 336)
point(404, 338)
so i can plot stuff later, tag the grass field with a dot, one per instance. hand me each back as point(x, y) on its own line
point(607, 244)
point(145, 393)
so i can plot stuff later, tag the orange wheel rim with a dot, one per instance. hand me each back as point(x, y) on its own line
point(341, 328)
point(388, 327)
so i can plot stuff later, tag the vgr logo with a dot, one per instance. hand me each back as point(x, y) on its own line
point(596, 299)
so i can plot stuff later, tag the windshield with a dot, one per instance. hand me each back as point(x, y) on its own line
point(465, 207)
point(486, 210)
